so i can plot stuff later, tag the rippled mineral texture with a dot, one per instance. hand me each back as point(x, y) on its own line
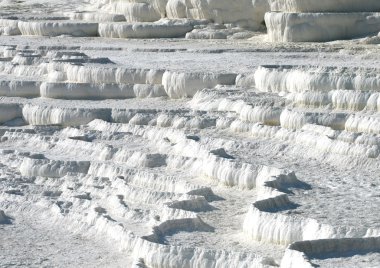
point(190, 133)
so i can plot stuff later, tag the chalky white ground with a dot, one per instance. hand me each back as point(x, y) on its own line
point(180, 152)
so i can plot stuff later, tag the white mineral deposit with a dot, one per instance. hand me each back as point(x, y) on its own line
point(190, 133)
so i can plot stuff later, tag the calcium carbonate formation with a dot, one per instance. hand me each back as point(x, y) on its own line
point(285, 21)
point(122, 132)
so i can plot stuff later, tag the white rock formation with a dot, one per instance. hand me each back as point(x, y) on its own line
point(45, 115)
point(96, 16)
point(137, 11)
point(86, 91)
point(50, 168)
point(180, 85)
point(245, 13)
point(56, 28)
point(160, 29)
point(284, 79)
point(366, 124)
point(263, 224)
point(178, 153)
point(9, 27)
point(324, 6)
point(107, 75)
point(319, 27)
point(16, 88)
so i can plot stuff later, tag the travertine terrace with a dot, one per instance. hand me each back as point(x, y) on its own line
point(190, 133)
